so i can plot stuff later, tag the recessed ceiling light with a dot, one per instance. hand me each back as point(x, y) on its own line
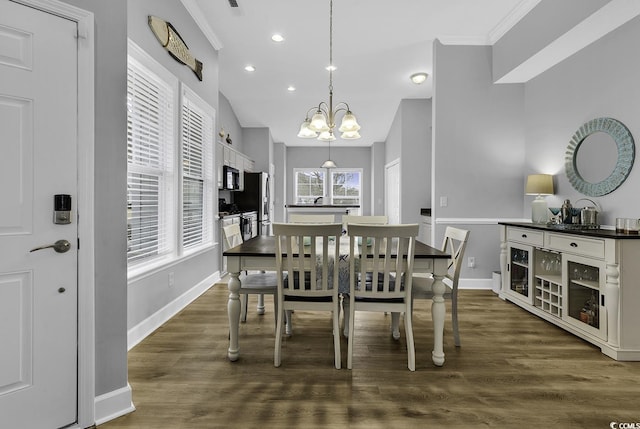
point(331, 67)
point(250, 68)
point(418, 78)
point(291, 88)
point(277, 38)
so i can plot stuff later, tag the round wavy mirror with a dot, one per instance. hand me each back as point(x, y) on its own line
point(591, 156)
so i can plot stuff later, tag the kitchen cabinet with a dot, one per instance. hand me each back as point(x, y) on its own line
point(226, 155)
point(424, 232)
point(584, 281)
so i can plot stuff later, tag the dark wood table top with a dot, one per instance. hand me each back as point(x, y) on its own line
point(263, 245)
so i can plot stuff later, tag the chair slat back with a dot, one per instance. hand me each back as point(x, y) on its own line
point(309, 254)
point(455, 242)
point(364, 220)
point(311, 218)
point(381, 266)
point(232, 235)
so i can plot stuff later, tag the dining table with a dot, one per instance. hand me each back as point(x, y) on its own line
point(259, 253)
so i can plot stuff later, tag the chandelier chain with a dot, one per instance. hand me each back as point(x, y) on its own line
point(331, 45)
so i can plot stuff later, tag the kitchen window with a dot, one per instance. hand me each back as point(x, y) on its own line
point(170, 189)
point(336, 186)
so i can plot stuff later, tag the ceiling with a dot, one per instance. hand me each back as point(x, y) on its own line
point(377, 45)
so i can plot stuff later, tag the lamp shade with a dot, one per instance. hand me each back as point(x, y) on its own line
point(306, 132)
point(319, 122)
point(539, 184)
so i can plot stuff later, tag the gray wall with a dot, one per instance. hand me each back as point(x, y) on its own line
point(152, 292)
point(601, 80)
point(409, 139)
point(227, 119)
point(345, 157)
point(378, 162)
point(110, 193)
point(478, 150)
point(258, 145)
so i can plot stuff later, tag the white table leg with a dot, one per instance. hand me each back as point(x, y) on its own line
point(438, 312)
point(233, 309)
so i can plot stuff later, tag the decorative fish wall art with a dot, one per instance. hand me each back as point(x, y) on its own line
point(171, 40)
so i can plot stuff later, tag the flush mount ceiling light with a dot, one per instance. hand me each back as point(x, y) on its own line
point(250, 68)
point(277, 38)
point(418, 78)
point(291, 88)
point(322, 123)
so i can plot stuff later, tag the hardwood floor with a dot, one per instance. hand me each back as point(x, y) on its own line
point(512, 371)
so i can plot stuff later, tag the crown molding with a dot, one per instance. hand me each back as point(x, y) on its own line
point(198, 16)
point(518, 12)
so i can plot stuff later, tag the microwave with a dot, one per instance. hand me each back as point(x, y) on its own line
point(230, 177)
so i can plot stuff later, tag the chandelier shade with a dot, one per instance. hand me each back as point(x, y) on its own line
point(323, 121)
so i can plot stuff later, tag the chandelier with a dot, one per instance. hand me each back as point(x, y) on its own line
point(322, 123)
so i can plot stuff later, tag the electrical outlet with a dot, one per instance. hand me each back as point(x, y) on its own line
point(471, 262)
point(171, 279)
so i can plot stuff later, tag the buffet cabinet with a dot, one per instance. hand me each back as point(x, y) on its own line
point(584, 281)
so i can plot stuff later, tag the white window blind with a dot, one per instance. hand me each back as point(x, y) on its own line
point(197, 170)
point(150, 160)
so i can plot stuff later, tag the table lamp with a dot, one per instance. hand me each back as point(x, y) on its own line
point(539, 184)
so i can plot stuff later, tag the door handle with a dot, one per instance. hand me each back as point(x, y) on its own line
point(60, 246)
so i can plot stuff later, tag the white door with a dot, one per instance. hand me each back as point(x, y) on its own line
point(392, 191)
point(38, 159)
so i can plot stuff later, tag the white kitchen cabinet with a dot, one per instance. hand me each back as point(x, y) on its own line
point(584, 281)
point(226, 155)
point(424, 232)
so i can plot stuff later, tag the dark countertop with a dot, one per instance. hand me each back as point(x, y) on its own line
point(320, 206)
point(263, 245)
point(602, 233)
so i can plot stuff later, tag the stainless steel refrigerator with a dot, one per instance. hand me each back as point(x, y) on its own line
point(256, 197)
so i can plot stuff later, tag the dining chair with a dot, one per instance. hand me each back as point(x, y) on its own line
point(312, 275)
point(361, 219)
point(260, 283)
point(311, 218)
point(454, 243)
point(380, 276)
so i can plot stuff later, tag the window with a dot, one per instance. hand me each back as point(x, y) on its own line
point(197, 170)
point(309, 185)
point(150, 161)
point(170, 164)
point(339, 186)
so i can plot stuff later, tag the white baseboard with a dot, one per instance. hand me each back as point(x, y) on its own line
point(153, 322)
point(113, 405)
point(475, 284)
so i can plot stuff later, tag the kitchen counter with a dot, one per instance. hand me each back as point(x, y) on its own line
point(320, 206)
point(335, 209)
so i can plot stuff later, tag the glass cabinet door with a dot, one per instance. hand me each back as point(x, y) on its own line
point(520, 258)
point(585, 301)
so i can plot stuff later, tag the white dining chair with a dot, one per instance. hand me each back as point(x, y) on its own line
point(380, 276)
point(311, 218)
point(364, 220)
point(260, 283)
point(312, 275)
point(454, 243)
